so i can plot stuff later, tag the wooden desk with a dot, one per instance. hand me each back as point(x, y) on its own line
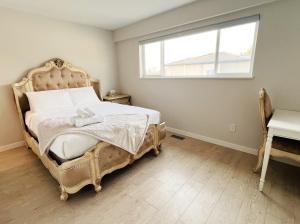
point(284, 124)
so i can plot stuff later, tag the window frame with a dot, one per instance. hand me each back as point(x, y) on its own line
point(217, 27)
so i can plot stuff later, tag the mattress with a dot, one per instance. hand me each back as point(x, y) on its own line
point(70, 146)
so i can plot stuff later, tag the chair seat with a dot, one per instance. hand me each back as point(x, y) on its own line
point(287, 145)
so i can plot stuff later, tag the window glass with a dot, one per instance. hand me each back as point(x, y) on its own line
point(223, 50)
point(152, 58)
point(236, 49)
point(191, 55)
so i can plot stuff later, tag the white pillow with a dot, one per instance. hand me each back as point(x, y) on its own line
point(42, 101)
point(83, 96)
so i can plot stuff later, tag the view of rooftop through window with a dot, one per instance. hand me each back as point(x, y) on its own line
point(217, 52)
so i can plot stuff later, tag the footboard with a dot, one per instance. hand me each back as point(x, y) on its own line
point(77, 173)
point(71, 175)
point(161, 133)
point(148, 144)
point(109, 158)
point(103, 159)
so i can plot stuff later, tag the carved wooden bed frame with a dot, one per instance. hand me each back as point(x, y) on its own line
point(99, 160)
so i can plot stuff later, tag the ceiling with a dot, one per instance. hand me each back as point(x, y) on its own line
point(107, 14)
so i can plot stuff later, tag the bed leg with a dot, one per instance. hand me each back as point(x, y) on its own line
point(63, 195)
point(26, 146)
point(156, 151)
point(97, 186)
point(159, 147)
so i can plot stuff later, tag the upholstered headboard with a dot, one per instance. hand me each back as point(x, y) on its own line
point(54, 74)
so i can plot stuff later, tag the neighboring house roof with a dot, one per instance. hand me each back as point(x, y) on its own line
point(210, 59)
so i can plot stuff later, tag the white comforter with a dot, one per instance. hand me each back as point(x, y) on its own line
point(70, 146)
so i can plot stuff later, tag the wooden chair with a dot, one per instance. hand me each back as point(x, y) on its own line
point(281, 147)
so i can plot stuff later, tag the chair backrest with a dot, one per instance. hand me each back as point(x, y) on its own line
point(265, 108)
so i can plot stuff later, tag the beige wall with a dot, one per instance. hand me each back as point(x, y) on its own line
point(198, 10)
point(26, 41)
point(208, 106)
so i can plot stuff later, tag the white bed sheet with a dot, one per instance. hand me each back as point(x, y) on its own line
point(70, 146)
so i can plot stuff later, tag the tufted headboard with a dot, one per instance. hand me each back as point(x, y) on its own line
point(54, 74)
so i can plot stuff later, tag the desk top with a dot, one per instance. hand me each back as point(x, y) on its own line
point(285, 120)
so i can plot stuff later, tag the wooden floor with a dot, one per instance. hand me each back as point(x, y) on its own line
point(189, 182)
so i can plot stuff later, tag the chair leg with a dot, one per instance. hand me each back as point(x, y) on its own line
point(266, 161)
point(260, 156)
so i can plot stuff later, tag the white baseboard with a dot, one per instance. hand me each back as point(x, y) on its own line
point(12, 146)
point(214, 141)
point(226, 144)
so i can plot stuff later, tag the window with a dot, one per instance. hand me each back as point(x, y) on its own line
point(220, 51)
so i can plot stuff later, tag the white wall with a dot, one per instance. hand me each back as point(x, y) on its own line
point(208, 106)
point(27, 41)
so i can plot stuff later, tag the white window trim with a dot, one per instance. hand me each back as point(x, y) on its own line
point(216, 75)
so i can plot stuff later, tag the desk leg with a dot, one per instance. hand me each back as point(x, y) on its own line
point(266, 161)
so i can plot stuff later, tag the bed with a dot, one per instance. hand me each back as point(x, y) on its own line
point(72, 164)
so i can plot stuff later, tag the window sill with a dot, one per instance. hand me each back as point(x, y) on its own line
point(235, 76)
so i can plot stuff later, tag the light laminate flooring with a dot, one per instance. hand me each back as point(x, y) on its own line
point(191, 181)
